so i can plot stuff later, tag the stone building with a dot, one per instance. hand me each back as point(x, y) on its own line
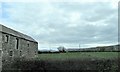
point(15, 45)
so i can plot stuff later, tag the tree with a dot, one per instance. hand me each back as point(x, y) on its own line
point(61, 49)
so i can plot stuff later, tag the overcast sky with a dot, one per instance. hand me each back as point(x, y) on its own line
point(68, 24)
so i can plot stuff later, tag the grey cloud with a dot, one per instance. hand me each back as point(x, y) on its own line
point(84, 32)
point(90, 11)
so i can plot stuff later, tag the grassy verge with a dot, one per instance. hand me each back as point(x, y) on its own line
point(69, 62)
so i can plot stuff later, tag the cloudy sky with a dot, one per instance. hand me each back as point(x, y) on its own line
point(68, 24)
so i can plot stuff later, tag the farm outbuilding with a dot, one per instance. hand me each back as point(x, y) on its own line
point(15, 45)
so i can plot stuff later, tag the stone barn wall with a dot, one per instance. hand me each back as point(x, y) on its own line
point(15, 45)
point(0, 51)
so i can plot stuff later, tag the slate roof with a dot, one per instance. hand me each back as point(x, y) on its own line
point(10, 31)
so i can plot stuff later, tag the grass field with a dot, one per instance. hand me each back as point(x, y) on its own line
point(70, 61)
point(79, 55)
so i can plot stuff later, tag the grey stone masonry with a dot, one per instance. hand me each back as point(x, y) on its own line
point(14, 45)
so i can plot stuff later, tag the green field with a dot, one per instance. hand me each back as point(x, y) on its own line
point(79, 55)
point(72, 61)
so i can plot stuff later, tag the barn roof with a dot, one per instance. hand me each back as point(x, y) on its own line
point(10, 31)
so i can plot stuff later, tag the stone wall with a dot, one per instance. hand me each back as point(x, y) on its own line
point(15, 48)
point(0, 51)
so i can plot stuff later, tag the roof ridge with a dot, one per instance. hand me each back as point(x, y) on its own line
point(8, 30)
